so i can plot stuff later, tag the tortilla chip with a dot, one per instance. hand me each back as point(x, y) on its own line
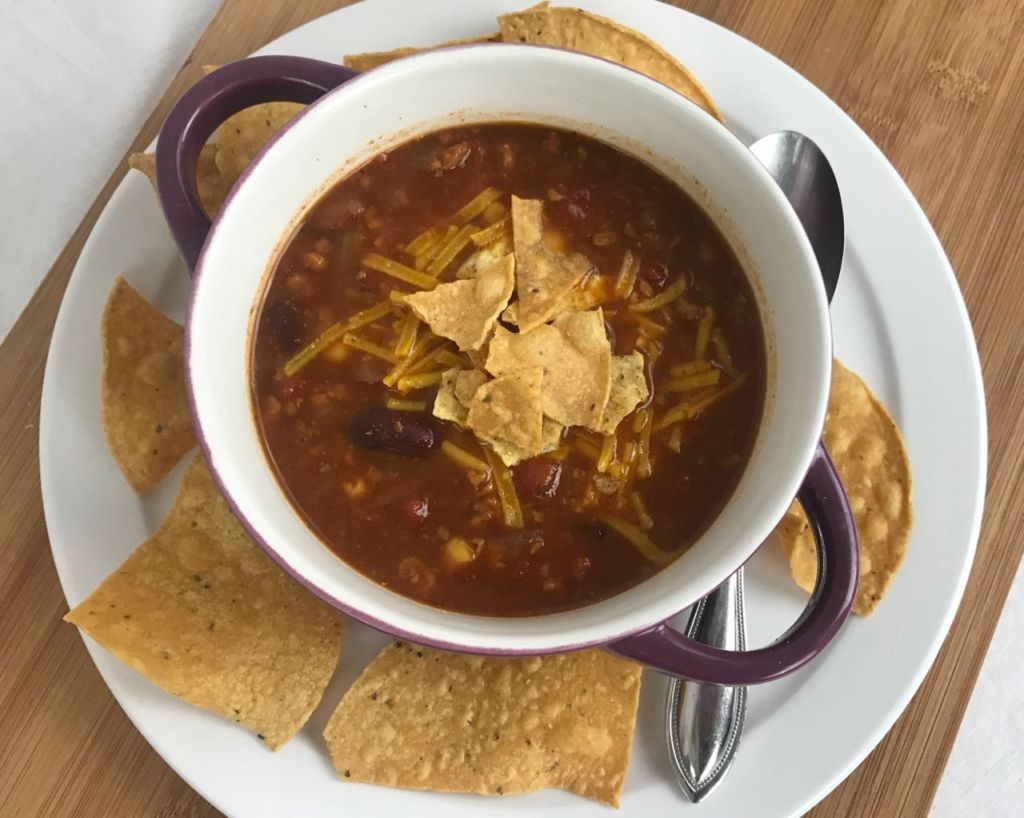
point(628, 390)
point(478, 357)
point(466, 311)
point(592, 292)
point(484, 257)
point(869, 455)
point(467, 383)
point(543, 277)
point(455, 393)
point(446, 405)
point(507, 410)
point(576, 357)
point(202, 612)
point(371, 59)
point(209, 183)
point(144, 163)
point(458, 386)
point(243, 135)
point(587, 33)
point(551, 435)
point(551, 439)
point(428, 720)
point(143, 402)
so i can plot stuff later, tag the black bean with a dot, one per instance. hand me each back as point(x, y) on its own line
point(376, 427)
point(283, 324)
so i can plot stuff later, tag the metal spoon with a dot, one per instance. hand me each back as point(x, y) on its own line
point(800, 168)
point(704, 723)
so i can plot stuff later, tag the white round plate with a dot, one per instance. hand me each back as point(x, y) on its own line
point(899, 321)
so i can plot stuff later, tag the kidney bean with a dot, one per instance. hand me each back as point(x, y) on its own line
point(376, 427)
point(538, 476)
point(655, 274)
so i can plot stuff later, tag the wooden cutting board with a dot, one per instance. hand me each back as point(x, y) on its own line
point(938, 85)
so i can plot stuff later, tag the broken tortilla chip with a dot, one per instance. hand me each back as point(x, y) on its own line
point(202, 612)
point(868, 452)
point(576, 357)
point(425, 719)
point(586, 33)
point(209, 184)
point(455, 393)
point(478, 357)
point(551, 439)
point(142, 398)
point(466, 311)
point(592, 292)
point(446, 405)
point(243, 135)
point(371, 59)
point(508, 410)
point(144, 163)
point(551, 435)
point(467, 384)
point(484, 257)
point(628, 390)
point(543, 277)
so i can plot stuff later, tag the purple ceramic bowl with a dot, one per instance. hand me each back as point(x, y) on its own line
point(355, 117)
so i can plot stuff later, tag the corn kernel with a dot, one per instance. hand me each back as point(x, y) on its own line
point(458, 552)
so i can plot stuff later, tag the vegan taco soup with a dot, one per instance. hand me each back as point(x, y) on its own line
point(507, 369)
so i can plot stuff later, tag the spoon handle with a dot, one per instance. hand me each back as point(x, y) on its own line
point(703, 723)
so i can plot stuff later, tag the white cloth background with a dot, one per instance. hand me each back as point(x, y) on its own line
point(79, 78)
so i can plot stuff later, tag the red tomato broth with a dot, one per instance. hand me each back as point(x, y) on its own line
point(390, 515)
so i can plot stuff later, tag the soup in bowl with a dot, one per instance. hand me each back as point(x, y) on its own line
point(508, 350)
point(388, 373)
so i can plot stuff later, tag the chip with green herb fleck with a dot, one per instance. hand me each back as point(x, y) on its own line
point(202, 612)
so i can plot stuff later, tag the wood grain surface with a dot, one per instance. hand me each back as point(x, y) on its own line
point(938, 84)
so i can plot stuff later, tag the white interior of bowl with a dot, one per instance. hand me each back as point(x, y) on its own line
point(501, 83)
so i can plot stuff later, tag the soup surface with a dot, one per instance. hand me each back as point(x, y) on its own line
point(560, 473)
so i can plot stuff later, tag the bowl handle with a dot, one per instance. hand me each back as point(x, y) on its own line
point(206, 105)
point(824, 502)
